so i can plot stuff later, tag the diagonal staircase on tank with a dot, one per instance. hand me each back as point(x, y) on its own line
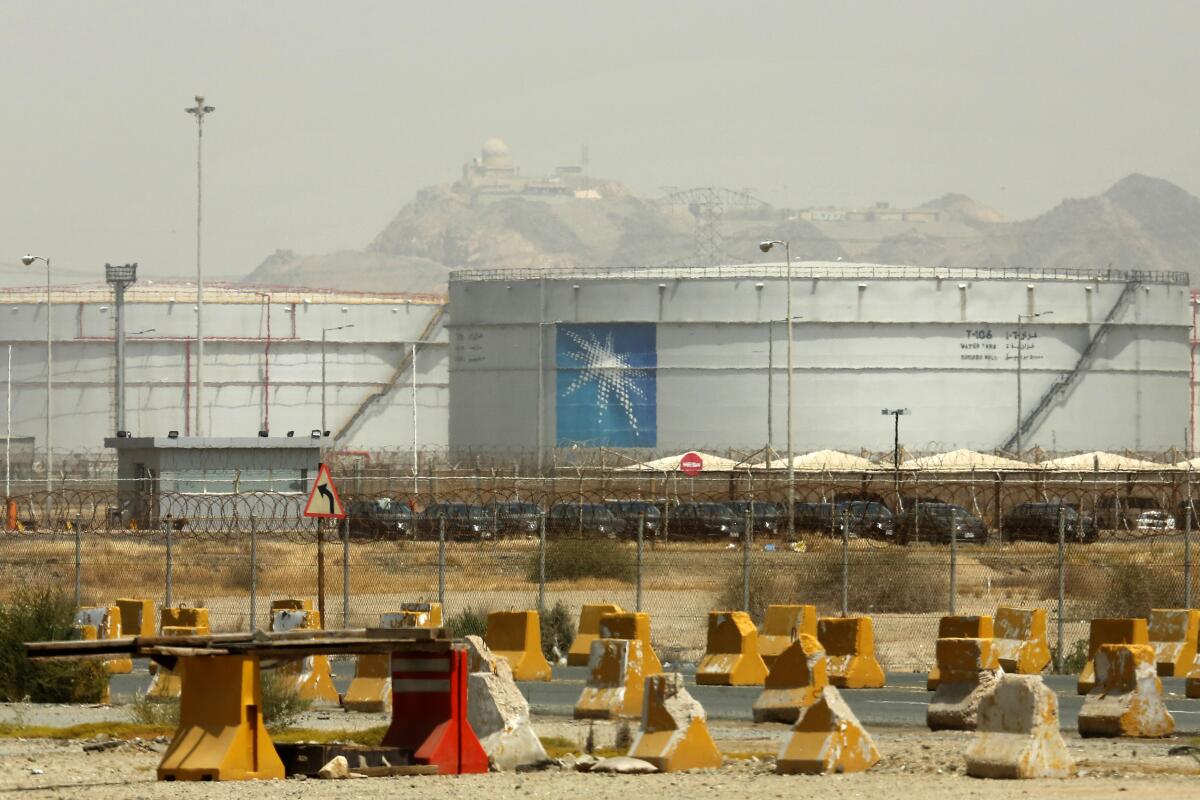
point(405, 365)
point(1064, 382)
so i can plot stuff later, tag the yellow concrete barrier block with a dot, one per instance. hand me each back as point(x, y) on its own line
point(827, 738)
point(1017, 735)
point(185, 617)
point(731, 652)
point(794, 683)
point(1127, 698)
point(1020, 640)
point(632, 625)
point(969, 671)
point(849, 644)
point(1191, 687)
point(106, 622)
point(182, 617)
point(674, 731)
point(615, 681)
point(783, 625)
point(1173, 635)
point(1109, 631)
point(310, 675)
point(517, 635)
point(959, 627)
point(137, 616)
point(588, 631)
point(371, 689)
point(221, 736)
point(165, 683)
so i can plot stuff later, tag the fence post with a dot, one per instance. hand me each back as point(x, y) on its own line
point(542, 565)
point(745, 565)
point(78, 564)
point(169, 600)
point(640, 536)
point(1187, 555)
point(321, 570)
point(1062, 574)
point(253, 573)
point(442, 562)
point(953, 558)
point(346, 572)
point(846, 562)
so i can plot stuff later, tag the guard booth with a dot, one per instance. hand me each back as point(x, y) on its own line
point(203, 482)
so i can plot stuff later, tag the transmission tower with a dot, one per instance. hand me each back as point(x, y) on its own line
point(707, 206)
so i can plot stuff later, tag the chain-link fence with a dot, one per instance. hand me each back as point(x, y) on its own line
point(904, 548)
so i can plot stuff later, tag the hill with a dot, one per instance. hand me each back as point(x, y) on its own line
point(1139, 223)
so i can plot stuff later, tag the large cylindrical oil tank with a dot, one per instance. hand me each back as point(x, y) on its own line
point(676, 359)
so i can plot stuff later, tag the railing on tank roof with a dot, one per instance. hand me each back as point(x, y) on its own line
point(230, 293)
point(828, 269)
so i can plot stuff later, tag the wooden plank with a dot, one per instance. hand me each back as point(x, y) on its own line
point(394, 771)
point(421, 634)
point(335, 647)
point(181, 652)
point(288, 644)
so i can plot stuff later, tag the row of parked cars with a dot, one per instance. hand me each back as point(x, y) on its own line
point(933, 522)
point(390, 518)
point(920, 521)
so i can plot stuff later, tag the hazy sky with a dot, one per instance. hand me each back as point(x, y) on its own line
point(330, 115)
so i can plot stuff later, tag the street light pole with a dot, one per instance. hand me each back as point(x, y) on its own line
point(199, 111)
point(28, 261)
point(323, 332)
point(1020, 350)
point(541, 406)
point(770, 387)
point(791, 456)
point(896, 414)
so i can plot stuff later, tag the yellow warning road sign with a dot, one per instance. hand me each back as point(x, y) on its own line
point(323, 501)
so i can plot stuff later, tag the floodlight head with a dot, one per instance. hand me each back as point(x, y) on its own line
point(766, 246)
point(263, 434)
point(172, 434)
point(316, 434)
point(28, 260)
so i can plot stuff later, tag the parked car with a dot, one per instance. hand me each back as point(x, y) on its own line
point(814, 518)
point(705, 521)
point(515, 518)
point(632, 512)
point(573, 519)
point(463, 521)
point(769, 518)
point(865, 518)
point(931, 522)
point(382, 516)
point(1155, 520)
point(1039, 521)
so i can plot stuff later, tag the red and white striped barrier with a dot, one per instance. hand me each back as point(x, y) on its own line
point(429, 710)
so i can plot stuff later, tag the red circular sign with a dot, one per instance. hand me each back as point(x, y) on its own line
point(691, 464)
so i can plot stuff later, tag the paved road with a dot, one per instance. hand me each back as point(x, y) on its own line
point(901, 703)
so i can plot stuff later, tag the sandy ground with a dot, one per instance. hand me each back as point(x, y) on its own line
point(916, 764)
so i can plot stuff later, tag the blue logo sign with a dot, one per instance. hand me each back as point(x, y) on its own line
point(606, 393)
